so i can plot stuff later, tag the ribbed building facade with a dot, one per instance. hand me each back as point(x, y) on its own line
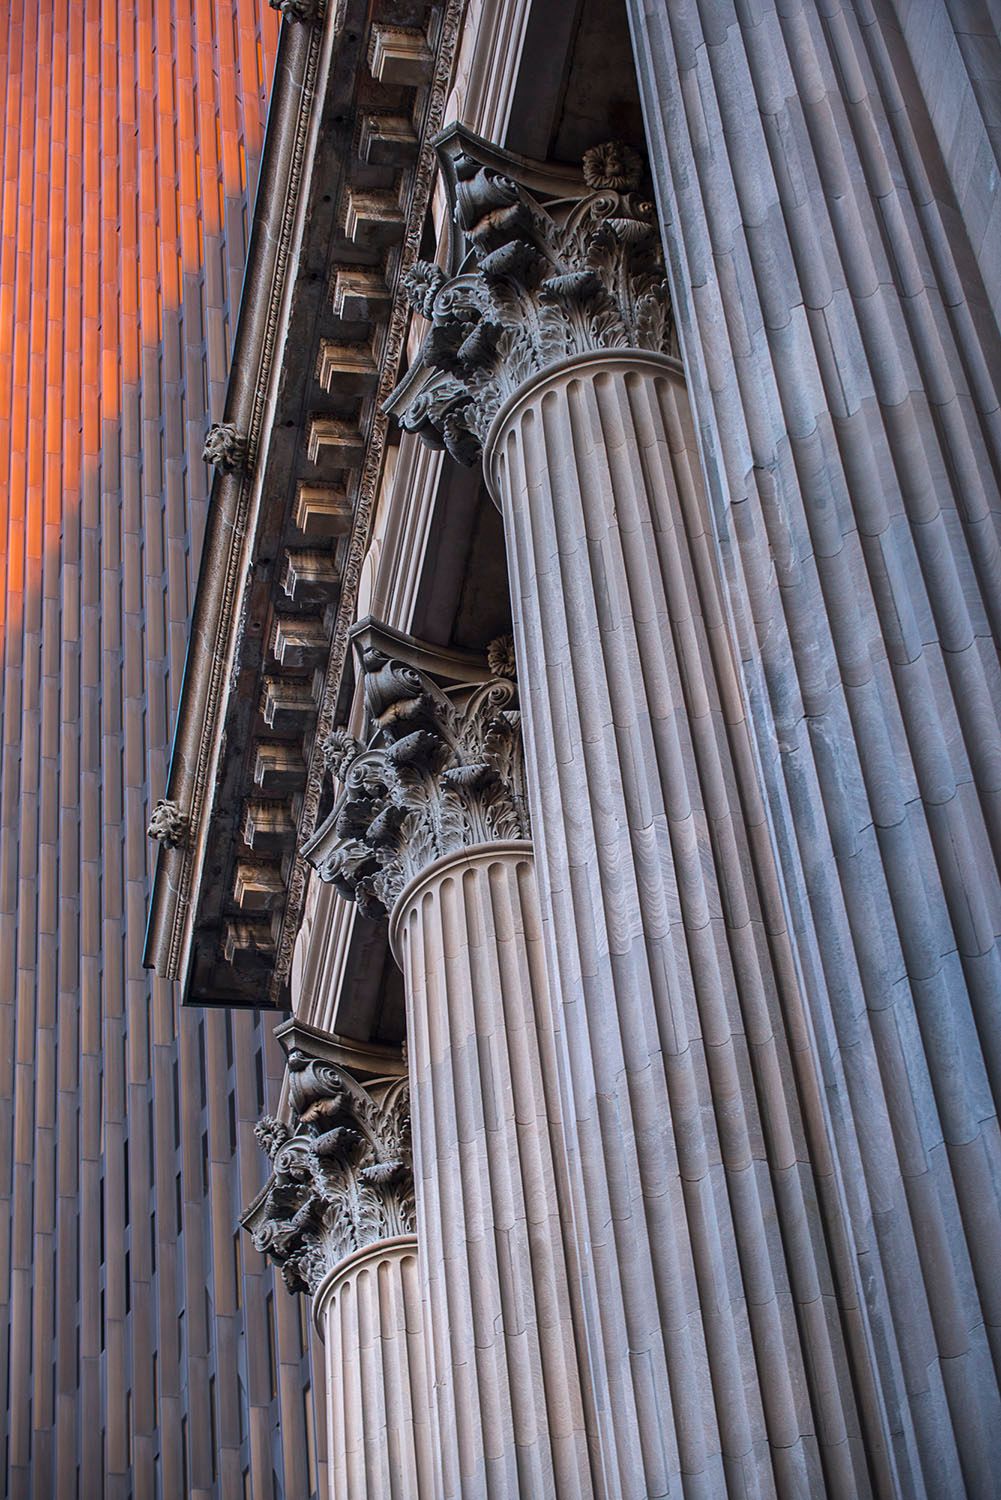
point(143, 1350)
point(585, 745)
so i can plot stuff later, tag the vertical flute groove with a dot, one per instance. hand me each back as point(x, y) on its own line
point(370, 1319)
point(503, 1341)
point(860, 423)
point(684, 1068)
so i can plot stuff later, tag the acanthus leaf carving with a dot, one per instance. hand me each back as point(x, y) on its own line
point(341, 1172)
point(339, 749)
point(442, 771)
point(541, 278)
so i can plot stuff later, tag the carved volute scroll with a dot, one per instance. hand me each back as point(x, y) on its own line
point(541, 275)
point(442, 769)
point(342, 1173)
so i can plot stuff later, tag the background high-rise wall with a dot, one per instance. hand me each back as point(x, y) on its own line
point(144, 1349)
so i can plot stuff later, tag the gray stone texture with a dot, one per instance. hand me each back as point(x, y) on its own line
point(826, 177)
point(369, 1314)
point(506, 1350)
point(730, 1354)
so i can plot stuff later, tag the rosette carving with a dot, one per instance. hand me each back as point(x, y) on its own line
point(342, 1171)
point(540, 278)
point(442, 770)
point(500, 657)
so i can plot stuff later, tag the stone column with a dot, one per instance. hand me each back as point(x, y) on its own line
point(826, 180)
point(368, 1314)
point(431, 827)
point(468, 937)
point(729, 1353)
point(337, 1215)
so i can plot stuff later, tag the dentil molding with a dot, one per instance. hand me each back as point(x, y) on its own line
point(332, 119)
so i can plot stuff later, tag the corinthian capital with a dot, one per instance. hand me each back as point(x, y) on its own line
point(441, 769)
point(342, 1173)
point(544, 269)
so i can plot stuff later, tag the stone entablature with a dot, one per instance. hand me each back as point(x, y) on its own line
point(542, 276)
point(342, 1169)
point(290, 516)
point(442, 769)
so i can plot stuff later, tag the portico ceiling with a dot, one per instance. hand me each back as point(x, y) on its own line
point(341, 203)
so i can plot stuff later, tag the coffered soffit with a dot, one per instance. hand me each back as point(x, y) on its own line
point(342, 200)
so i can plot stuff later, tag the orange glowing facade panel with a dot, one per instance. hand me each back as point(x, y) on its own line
point(144, 1350)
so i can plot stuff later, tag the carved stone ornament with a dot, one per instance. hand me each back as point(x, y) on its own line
point(342, 1171)
point(543, 272)
point(168, 824)
point(298, 10)
point(442, 769)
point(225, 447)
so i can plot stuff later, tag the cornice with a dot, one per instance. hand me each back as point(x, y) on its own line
point(451, 22)
point(210, 640)
point(283, 533)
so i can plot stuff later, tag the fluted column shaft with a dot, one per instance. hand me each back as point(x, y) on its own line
point(509, 1413)
point(733, 1360)
point(368, 1312)
point(836, 268)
